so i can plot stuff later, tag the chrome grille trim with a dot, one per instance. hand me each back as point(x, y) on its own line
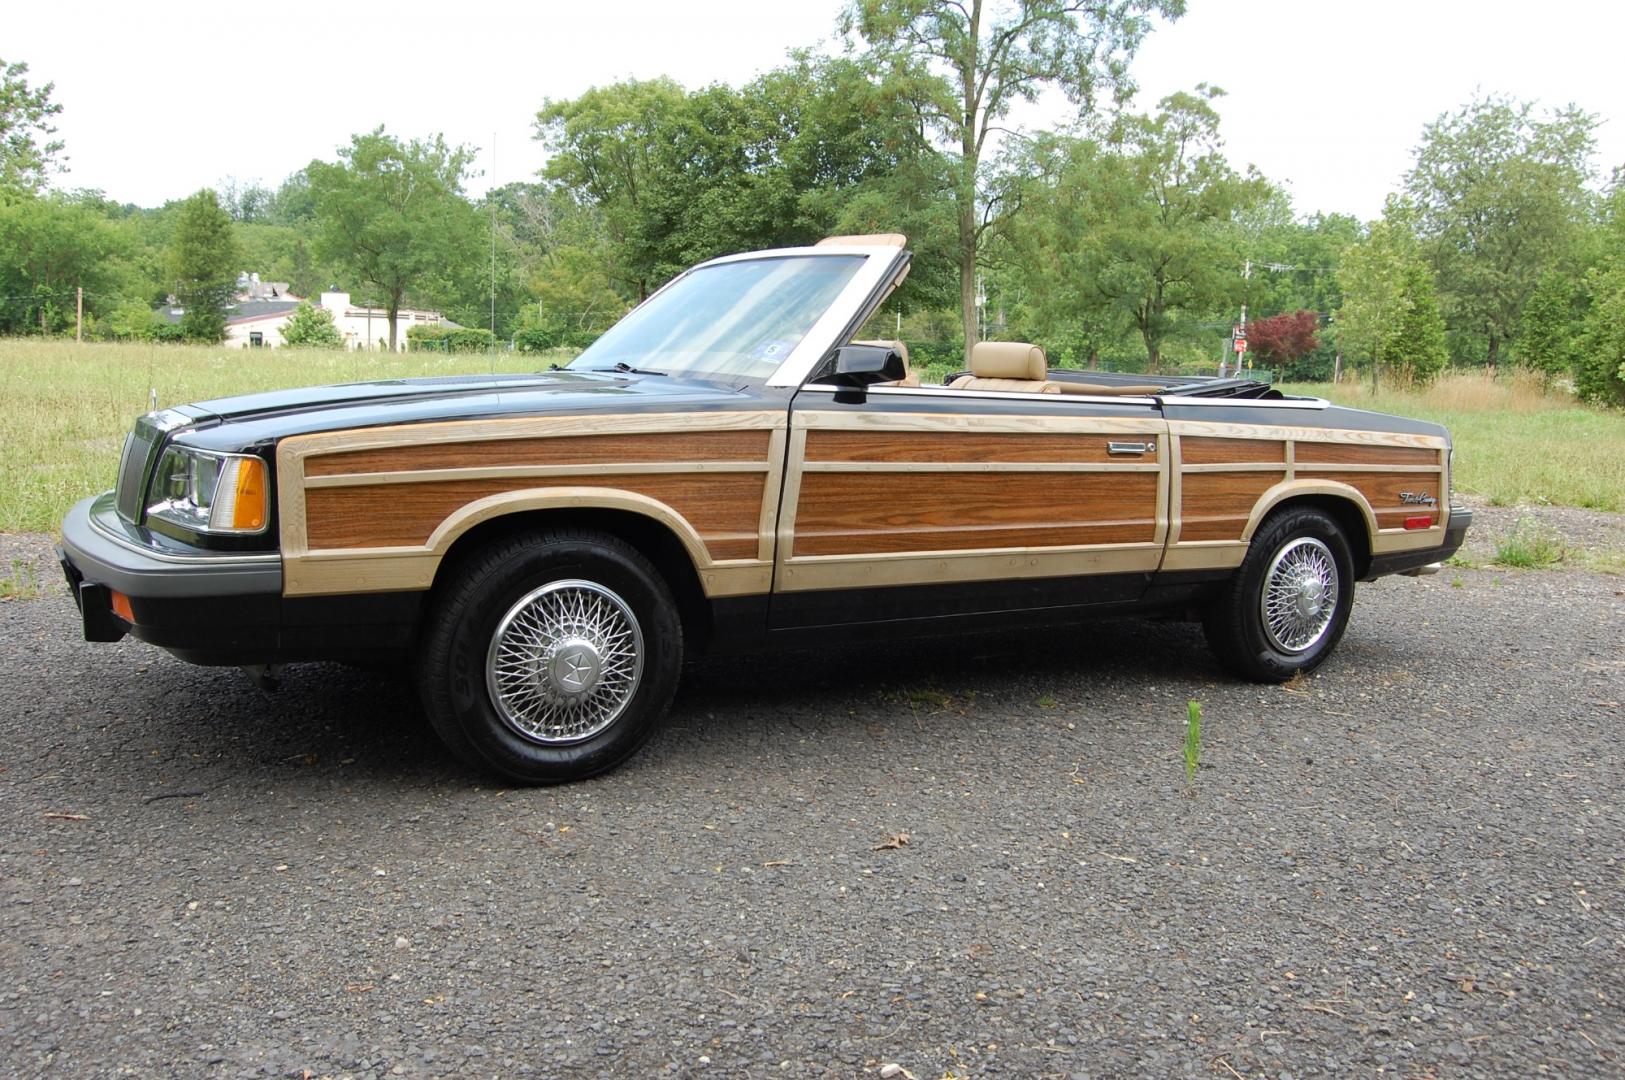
point(141, 447)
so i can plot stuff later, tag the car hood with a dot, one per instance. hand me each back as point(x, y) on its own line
point(257, 419)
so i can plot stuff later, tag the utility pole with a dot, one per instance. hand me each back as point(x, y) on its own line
point(79, 314)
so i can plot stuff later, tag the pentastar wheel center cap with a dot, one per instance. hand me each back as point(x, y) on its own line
point(1310, 593)
point(573, 667)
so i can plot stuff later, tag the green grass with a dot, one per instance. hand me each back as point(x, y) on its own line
point(69, 406)
point(1514, 442)
point(1529, 547)
point(1193, 739)
point(21, 582)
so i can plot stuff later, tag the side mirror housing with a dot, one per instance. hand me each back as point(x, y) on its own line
point(857, 366)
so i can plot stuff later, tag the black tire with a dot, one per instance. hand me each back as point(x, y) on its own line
point(493, 705)
point(1305, 541)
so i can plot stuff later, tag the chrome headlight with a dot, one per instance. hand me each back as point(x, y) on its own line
point(209, 492)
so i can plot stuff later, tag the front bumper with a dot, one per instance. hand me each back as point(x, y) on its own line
point(211, 607)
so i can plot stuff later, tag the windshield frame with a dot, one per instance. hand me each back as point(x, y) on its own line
point(877, 270)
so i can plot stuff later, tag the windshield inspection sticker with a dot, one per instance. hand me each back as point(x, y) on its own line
point(772, 349)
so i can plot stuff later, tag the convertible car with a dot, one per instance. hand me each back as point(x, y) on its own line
point(728, 469)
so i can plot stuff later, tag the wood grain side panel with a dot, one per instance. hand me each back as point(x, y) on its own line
point(550, 450)
point(1216, 506)
point(1382, 491)
point(1211, 451)
point(884, 512)
point(1316, 453)
point(724, 508)
point(925, 446)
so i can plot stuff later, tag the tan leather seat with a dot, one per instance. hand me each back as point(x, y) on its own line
point(910, 378)
point(1007, 365)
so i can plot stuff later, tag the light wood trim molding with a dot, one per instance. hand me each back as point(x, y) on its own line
point(526, 427)
point(977, 423)
point(1238, 467)
point(1288, 489)
point(978, 466)
point(531, 472)
point(1205, 555)
point(1302, 434)
point(811, 572)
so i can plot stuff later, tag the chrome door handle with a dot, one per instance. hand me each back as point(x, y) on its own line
point(1148, 447)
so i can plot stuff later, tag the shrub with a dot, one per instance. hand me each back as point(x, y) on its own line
point(311, 327)
point(452, 339)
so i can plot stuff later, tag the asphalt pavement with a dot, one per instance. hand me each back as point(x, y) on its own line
point(973, 857)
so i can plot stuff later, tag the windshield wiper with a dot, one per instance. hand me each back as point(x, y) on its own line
point(628, 369)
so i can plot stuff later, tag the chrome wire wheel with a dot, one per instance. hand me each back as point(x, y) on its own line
point(564, 662)
point(1299, 599)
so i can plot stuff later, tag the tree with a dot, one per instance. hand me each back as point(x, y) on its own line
point(1415, 343)
point(962, 64)
point(1501, 198)
point(311, 327)
point(393, 215)
point(50, 246)
point(1284, 339)
point(1547, 331)
point(204, 261)
point(28, 154)
point(1372, 276)
point(676, 177)
point(1144, 223)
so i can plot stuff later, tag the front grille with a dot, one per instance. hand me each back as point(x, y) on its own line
point(141, 446)
point(132, 467)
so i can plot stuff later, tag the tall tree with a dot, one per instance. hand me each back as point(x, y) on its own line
point(1373, 280)
point(393, 214)
point(204, 261)
point(965, 63)
point(676, 176)
point(1145, 223)
point(1501, 198)
point(1414, 342)
point(28, 154)
point(49, 247)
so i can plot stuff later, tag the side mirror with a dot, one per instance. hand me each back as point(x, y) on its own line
point(864, 365)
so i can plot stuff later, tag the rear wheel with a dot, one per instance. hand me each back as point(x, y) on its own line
point(550, 657)
point(1285, 609)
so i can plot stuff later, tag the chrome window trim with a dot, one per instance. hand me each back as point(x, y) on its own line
point(1251, 403)
point(995, 395)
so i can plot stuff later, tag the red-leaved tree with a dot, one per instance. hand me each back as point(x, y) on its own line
point(1281, 339)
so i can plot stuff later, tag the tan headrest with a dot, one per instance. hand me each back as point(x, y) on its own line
point(1008, 360)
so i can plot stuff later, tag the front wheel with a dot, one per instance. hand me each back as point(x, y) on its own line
point(1285, 609)
point(550, 657)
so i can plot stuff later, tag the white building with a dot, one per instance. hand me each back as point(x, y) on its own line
point(256, 317)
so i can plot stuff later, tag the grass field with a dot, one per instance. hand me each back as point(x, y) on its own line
point(1515, 443)
point(68, 406)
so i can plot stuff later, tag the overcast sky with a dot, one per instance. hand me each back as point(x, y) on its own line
point(1327, 98)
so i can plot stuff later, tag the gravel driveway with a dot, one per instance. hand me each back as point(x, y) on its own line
point(1410, 865)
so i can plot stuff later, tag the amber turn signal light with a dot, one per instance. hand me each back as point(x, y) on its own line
point(248, 510)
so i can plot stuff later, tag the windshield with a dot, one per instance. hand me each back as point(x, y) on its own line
point(732, 319)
